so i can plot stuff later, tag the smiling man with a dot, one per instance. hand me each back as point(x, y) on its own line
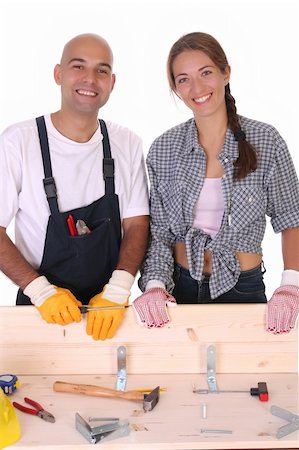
point(77, 189)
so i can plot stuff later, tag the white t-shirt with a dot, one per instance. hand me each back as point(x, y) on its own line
point(77, 170)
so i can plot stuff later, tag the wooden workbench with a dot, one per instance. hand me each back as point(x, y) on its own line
point(173, 357)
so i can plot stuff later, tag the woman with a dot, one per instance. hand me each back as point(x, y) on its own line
point(213, 180)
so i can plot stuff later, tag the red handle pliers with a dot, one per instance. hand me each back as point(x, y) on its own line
point(38, 411)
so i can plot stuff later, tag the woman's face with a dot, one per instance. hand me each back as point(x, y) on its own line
point(200, 83)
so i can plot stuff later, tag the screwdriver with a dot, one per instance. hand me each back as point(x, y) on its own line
point(261, 391)
point(85, 309)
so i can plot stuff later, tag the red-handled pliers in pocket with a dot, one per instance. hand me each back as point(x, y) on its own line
point(38, 411)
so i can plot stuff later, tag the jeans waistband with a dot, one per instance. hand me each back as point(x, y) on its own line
point(206, 276)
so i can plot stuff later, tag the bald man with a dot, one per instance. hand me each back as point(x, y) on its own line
point(77, 189)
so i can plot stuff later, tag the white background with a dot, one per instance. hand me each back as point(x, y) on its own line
point(260, 38)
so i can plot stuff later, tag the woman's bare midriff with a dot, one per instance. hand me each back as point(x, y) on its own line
point(247, 261)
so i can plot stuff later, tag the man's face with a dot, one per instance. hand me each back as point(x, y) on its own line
point(85, 75)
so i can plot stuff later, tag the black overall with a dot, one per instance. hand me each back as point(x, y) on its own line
point(83, 264)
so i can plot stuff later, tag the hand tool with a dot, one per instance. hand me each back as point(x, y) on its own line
point(85, 309)
point(38, 411)
point(260, 391)
point(82, 228)
point(149, 401)
point(292, 418)
point(106, 432)
point(71, 225)
point(9, 383)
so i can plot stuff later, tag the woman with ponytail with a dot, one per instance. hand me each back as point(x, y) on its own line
point(213, 180)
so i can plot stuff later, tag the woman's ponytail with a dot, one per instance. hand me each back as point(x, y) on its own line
point(247, 160)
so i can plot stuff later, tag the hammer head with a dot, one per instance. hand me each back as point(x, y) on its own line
point(151, 399)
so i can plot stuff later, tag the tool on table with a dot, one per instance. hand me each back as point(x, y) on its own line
point(9, 383)
point(38, 411)
point(261, 390)
point(204, 411)
point(71, 225)
point(292, 418)
point(149, 401)
point(85, 309)
point(82, 228)
point(161, 389)
point(105, 432)
point(103, 419)
point(210, 430)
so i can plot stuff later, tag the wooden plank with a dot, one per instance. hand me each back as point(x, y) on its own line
point(175, 423)
point(28, 345)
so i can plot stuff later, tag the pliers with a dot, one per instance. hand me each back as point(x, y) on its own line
point(38, 411)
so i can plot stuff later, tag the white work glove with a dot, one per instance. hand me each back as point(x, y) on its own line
point(104, 324)
point(150, 307)
point(55, 304)
point(283, 307)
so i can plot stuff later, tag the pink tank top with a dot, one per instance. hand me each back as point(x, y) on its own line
point(209, 208)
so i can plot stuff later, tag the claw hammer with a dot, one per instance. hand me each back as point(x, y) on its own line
point(149, 400)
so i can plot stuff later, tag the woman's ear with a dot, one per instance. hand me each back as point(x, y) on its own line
point(227, 72)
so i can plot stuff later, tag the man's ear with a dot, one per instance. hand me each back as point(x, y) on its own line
point(113, 79)
point(57, 74)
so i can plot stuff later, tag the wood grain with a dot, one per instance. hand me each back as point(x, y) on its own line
point(29, 345)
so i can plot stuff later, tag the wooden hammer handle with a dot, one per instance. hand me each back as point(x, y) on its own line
point(96, 391)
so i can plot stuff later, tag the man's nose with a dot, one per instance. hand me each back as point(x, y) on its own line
point(89, 76)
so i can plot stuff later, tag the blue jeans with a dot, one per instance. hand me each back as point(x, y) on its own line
point(249, 288)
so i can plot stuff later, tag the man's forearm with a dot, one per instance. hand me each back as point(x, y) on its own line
point(13, 264)
point(134, 244)
point(290, 248)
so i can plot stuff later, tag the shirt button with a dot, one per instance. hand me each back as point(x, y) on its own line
point(225, 160)
point(250, 199)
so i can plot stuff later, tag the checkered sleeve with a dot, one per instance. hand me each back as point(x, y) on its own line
point(283, 189)
point(158, 264)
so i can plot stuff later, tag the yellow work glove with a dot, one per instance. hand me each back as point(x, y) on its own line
point(103, 324)
point(55, 304)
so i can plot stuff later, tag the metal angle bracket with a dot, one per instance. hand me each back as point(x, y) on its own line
point(211, 368)
point(106, 432)
point(121, 368)
point(293, 420)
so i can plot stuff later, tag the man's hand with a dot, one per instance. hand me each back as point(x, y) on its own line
point(55, 304)
point(150, 307)
point(104, 324)
point(283, 309)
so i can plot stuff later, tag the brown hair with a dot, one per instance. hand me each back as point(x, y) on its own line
point(247, 160)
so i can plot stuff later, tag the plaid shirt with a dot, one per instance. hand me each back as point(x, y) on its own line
point(177, 166)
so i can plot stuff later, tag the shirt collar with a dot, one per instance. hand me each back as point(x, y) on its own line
point(230, 146)
point(191, 137)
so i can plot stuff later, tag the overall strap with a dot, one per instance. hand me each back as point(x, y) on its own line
point(108, 162)
point(49, 182)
